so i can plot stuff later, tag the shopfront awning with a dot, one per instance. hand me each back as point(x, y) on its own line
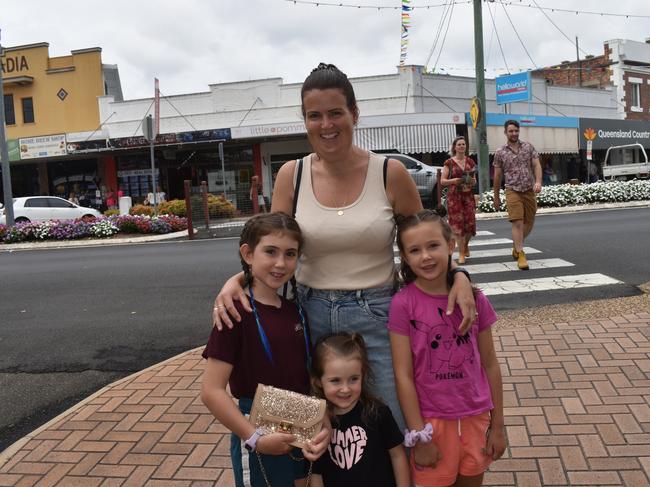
point(546, 140)
point(407, 139)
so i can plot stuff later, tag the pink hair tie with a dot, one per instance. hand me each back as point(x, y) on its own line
point(423, 436)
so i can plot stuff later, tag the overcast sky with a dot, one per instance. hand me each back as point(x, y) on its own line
point(190, 44)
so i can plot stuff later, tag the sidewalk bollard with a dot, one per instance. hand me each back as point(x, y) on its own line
point(188, 209)
point(206, 210)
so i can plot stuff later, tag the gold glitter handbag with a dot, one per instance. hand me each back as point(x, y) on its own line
point(279, 411)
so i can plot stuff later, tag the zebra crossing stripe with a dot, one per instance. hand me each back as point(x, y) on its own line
point(484, 233)
point(489, 241)
point(482, 254)
point(478, 254)
point(512, 266)
point(546, 284)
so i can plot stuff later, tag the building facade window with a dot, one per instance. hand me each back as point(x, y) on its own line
point(636, 95)
point(10, 114)
point(28, 110)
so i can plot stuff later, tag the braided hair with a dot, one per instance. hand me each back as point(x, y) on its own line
point(265, 224)
point(405, 274)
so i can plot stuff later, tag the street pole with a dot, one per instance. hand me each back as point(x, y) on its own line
point(149, 133)
point(4, 153)
point(483, 152)
point(223, 170)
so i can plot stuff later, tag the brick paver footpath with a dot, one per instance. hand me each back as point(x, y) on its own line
point(577, 407)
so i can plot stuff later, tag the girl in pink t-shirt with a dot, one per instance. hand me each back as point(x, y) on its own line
point(448, 382)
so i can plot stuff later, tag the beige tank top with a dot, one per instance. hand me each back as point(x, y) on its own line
point(353, 250)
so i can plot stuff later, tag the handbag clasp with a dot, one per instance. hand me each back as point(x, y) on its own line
point(285, 427)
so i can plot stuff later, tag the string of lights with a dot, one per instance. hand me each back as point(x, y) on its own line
point(461, 2)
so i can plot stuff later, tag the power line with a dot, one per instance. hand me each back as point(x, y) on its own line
point(489, 50)
point(518, 37)
point(461, 2)
point(555, 25)
point(442, 45)
point(494, 25)
point(438, 31)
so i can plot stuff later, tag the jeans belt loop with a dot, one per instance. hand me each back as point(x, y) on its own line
point(359, 296)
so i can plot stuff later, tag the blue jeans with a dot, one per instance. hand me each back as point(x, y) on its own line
point(366, 312)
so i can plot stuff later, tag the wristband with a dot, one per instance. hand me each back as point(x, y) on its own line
point(425, 435)
point(454, 271)
point(251, 443)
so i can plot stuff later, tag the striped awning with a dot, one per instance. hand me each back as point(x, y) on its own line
point(407, 139)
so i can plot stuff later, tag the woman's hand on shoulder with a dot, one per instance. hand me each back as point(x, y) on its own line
point(284, 189)
point(462, 293)
point(224, 311)
point(401, 190)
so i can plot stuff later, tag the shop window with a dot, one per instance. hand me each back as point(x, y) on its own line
point(10, 114)
point(28, 110)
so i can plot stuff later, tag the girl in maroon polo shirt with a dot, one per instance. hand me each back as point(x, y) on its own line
point(270, 347)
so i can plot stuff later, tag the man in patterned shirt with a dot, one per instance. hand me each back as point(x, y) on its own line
point(519, 162)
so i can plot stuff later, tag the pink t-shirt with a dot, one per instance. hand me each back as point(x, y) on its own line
point(449, 379)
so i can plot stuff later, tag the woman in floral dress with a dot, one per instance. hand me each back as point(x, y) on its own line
point(459, 175)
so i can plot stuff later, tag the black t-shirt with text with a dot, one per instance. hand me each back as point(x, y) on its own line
point(358, 452)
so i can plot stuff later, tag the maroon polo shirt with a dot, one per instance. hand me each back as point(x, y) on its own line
point(242, 347)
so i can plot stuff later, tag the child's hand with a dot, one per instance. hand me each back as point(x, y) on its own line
point(426, 454)
point(317, 446)
point(496, 443)
point(275, 444)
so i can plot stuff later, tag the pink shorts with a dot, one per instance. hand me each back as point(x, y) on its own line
point(461, 443)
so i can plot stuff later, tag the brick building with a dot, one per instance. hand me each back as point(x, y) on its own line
point(624, 67)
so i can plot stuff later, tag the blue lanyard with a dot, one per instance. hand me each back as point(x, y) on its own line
point(265, 339)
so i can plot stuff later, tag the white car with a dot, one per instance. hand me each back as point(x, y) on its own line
point(40, 208)
point(425, 177)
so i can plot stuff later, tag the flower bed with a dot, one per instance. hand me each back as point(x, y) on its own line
point(100, 228)
point(580, 194)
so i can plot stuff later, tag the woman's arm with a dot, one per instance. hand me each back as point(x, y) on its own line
point(426, 454)
point(283, 189)
point(400, 466)
point(401, 190)
point(496, 441)
point(218, 401)
point(462, 293)
point(446, 179)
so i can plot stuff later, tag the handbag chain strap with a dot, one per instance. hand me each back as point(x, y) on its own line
point(266, 478)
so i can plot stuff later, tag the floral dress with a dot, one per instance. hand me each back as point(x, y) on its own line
point(461, 208)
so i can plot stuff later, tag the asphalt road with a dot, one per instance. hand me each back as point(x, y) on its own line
point(73, 320)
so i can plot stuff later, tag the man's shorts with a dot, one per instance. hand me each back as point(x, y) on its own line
point(522, 205)
point(461, 443)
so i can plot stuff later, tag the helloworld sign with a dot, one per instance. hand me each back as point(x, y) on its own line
point(514, 87)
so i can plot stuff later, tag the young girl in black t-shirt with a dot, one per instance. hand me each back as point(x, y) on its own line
point(270, 346)
point(365, 447)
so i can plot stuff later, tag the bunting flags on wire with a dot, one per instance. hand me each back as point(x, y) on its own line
point(406, 25)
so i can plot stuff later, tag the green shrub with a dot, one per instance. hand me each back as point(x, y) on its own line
point(141, 210)
point(220, 207)
point(173, 207)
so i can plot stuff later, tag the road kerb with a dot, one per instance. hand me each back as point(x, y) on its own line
point(12, 449)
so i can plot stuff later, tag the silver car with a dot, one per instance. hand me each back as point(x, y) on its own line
point(41, 208)
point(425, 177)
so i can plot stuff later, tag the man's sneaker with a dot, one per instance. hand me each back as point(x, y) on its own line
point(515, 254)
point(522, 263)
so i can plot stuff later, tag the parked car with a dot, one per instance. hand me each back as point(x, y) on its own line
point(40, 208)
point(425, 177)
